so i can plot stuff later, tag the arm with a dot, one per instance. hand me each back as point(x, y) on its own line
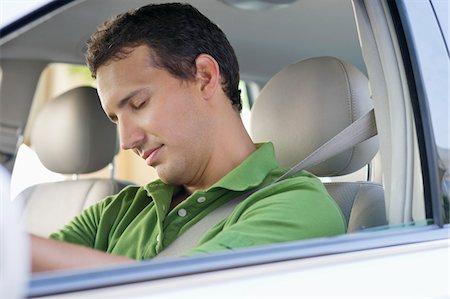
point(47, 255)
point(291, 211)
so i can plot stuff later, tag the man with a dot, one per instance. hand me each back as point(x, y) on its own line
point(168, 78)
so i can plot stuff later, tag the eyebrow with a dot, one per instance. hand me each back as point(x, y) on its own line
point(122, 103)
point(128, 97)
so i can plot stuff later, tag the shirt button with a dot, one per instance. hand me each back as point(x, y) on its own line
point(182, 212)
point(201, 199)
point(158, 238)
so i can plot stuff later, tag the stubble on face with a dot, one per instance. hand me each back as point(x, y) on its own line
point(174, 117)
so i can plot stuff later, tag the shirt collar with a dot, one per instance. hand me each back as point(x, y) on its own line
point(250, 173)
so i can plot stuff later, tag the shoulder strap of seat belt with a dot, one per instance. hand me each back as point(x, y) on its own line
point(357, 132)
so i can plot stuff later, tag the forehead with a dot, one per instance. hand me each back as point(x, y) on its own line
point(120, 76)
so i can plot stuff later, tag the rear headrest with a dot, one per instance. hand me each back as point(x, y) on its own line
point(72, 134)
point(305, 105)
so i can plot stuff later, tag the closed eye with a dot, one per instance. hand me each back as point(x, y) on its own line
point(137, 104)
point(112, 118)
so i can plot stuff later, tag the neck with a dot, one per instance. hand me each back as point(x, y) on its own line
point(232, 145)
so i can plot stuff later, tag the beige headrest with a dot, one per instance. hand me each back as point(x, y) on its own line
point(72, 134)
point(305, 105)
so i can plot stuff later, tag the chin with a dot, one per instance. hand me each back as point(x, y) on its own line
point(167, 176)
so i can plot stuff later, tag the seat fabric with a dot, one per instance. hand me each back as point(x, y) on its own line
point(72, 135)
point(49, 206)
point(304, 106)
point(362, 203)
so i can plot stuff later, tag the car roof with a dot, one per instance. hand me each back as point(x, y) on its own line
point(279, 36)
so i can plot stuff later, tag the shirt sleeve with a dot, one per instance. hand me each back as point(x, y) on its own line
point(291, 211)
point(82, 230)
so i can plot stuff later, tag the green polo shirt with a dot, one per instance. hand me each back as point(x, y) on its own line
point(137, 222)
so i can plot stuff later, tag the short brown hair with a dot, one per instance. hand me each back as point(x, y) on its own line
point(176, 33)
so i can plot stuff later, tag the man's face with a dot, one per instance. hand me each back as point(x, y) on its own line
point(162, 119)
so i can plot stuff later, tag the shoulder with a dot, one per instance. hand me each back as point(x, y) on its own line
point(299, 197)
point(302, 183)
point(126, 196)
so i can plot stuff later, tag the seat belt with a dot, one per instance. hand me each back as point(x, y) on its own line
point(360, 130)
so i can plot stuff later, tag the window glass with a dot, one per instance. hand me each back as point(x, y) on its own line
point(28, 170)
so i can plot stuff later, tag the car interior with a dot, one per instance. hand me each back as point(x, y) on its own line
point(72, 136)
point(340, 97)
point(308, 67)
point(67, 145)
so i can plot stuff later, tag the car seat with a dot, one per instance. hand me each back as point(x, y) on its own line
point(72, 135)
point(305, 105)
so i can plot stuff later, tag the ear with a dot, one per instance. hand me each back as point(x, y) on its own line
point(207, 75)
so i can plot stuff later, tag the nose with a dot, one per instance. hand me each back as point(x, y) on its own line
point(131, 136)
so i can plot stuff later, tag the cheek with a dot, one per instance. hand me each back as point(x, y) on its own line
point(182, 120)
point(180, 116)
point(184, 130)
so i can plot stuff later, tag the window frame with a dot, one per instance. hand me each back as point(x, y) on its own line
point(57, 283)
point(411, 55)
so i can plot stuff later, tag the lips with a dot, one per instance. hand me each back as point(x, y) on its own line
point(150, 155)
